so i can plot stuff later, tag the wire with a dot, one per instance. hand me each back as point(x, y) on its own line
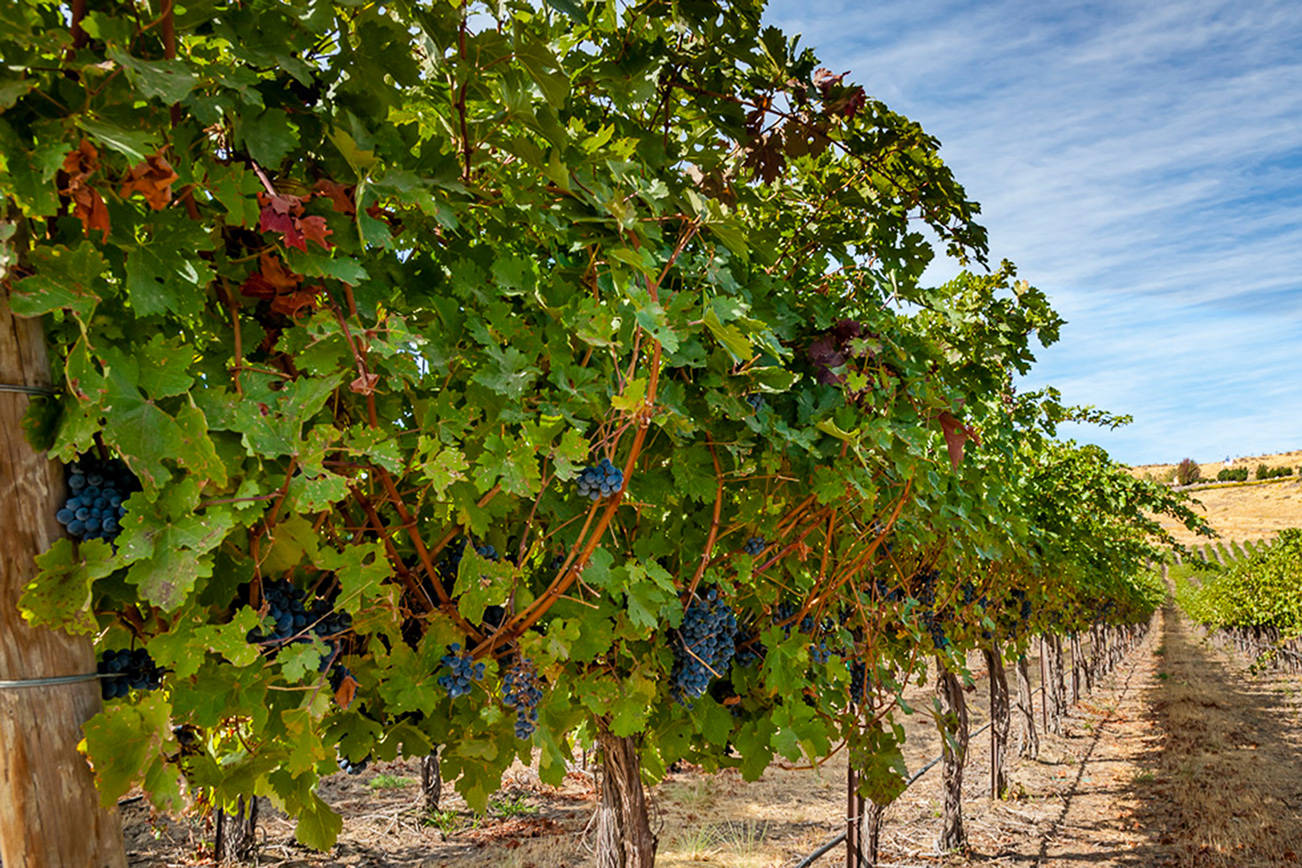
point(26, 390)
point(46, 682)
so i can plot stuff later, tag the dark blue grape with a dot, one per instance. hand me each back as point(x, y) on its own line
point(601, 480)
point(131, 670)
point(353, 768)
point(463, 671)
point(521, 690)
point(755, 546)
point(703, 647)
point(96, 489)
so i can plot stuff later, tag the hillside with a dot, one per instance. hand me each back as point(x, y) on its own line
point(1243, 512)
point(1209, 469)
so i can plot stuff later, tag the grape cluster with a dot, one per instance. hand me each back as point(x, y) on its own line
point(749, 650)
point(130, 670)
point(819, 652)
point(96, 490)
point(925, 590)
point(755, 546)
point(1020, 595)
point(600, 480)
point(756, 401)
point(487, 551)
point(290, 616)
point(889, 593)
point(705, 647)
point(858, 679)
point(328, 621)
point(464, 672)
point(189, 738)
point(353, 768)
point(450, 561)
point(937, 630)
point(521, 691)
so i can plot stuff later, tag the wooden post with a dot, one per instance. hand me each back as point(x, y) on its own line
point(624, 836)
point(953, 725)
point(1000, 718)
point(853, 818)
point(431, 782)
point(50, 813)
point(1028, 742)
point(1044, 688)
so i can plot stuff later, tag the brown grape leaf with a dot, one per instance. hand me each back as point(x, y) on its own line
point(153, 179)
point(956, 436)
point(347, 690)
point(315, 229)
point(291, 304)
point(340, 195)
point(281, 214)
point(270, 280)
point(87, 204)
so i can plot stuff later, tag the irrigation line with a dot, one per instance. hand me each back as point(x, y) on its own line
point(814, 856)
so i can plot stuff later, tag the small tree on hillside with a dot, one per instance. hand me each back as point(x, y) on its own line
point(1187, 472)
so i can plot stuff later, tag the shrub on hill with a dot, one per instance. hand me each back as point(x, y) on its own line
point(1233, 474)
point(1187, 472)
point(1264, 472)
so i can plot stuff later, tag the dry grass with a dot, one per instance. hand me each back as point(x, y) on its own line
point(1248, 512)
point(1224, 780)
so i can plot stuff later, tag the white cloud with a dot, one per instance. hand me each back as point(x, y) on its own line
point(1142, 163)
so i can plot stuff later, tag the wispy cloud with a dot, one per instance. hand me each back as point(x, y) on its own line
point(1140, 162)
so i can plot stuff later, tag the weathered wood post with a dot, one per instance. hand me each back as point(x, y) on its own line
point(624, 836)
point(431, 781)
point(1028, 742)
point(954, 731)
point(50, 813)
point(1000, 718)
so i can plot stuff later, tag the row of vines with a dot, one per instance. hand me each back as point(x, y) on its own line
point(1254, 603)
point(507, 378)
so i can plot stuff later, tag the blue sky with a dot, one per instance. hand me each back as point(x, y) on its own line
point(1141, 163)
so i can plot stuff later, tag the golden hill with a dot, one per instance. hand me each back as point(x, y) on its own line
point(1242, 512)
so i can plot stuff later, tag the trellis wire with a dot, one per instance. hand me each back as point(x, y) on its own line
point(25, 390)
point(57, 679)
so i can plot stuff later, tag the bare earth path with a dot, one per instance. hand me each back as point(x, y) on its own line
point(1181, 758)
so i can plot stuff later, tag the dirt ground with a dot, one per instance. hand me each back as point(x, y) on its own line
point(1181, 757)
